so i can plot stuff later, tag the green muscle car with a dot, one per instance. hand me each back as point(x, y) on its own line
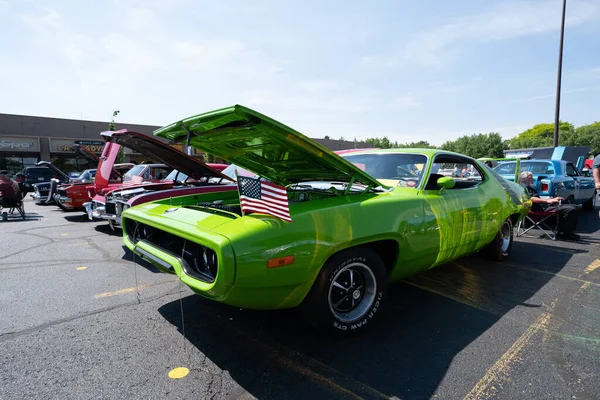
point(359, 220)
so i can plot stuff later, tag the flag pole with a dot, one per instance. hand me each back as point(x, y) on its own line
point(237, 181)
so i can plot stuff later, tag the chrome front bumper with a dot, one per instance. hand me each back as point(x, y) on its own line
point(113, 219)
point(94, 210)
point(62, 199)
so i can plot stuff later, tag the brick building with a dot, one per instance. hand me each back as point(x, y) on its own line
point(25, 140)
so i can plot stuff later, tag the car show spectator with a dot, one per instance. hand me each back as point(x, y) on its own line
point(9, 192)
point(567, 213)
point(596, 171)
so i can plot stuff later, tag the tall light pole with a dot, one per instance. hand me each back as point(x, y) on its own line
point(558, 79)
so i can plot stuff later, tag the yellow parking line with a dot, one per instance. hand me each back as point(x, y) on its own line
point(485, 387)
point(553, 274)
point(592, 267)
point(559, 250)
point(122, 291)
point(455, 298)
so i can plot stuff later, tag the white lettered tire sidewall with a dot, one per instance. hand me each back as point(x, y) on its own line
point(317, 307)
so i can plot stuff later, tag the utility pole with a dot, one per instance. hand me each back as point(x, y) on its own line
point(558, 79)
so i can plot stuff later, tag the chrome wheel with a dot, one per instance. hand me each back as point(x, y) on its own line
point(352, 292)
point(505, 236)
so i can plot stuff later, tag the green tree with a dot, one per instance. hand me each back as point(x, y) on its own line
point(542, 135)
point(111, 127)
point(421, 144)
point(386, 143)
point(209, 158)
point(477, 145)
point(375, 142)
point(586, 135)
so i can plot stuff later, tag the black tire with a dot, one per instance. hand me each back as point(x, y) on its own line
point(500, 247)
point(569, 200)
point(65, 209)
point(589, 204)
point(233, 209)
point(336, 310)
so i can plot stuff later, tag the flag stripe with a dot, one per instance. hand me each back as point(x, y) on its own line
point(263, 197)
point(276, 190)
point(262, 203)
point(274, 194)
point(269, 212)
point(271, 200)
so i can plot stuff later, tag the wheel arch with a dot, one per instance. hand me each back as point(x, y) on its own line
point(387, 249)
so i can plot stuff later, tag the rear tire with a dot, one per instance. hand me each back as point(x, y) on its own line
point(348, 292)
point(65, 209)
point(500, 247)
point(589, 204)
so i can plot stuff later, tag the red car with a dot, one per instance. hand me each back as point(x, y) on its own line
point(189, 176)
point(72, 195)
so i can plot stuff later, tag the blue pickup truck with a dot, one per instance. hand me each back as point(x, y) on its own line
point(554, 178)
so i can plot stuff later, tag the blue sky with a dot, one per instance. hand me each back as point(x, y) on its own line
point(409, 70)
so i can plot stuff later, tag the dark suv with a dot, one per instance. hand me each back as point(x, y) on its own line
point(39, 174)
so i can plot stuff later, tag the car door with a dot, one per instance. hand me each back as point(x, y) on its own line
point(583, 186)
point(460, 213)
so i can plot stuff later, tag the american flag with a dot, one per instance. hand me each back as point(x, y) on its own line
point(263, 197)
point(135, 180)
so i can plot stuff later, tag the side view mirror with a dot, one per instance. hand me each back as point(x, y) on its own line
point(446, 182)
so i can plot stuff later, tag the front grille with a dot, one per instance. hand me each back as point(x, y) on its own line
point(110, 208)
point(197, 261)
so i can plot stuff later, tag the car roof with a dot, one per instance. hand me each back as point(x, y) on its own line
point(426, 151)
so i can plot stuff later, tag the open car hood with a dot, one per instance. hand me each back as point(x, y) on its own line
point(264, 146)
point(105, 166)
point(83, 152)
point(55, 169)
point(163, 153)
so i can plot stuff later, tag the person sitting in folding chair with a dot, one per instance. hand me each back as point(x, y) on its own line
point(10, 195)
point(566, 213)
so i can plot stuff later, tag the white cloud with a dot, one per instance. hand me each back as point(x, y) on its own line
point(504, 21)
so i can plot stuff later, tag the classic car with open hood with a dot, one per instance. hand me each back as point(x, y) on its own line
point(72, 195)
point(318, 230)
point(46, 192)
point(42, 191)
point(189, 177)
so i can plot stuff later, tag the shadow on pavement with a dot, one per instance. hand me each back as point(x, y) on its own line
point(16, 217)
point(428, 320)
point(106, 229)
point(406, 353)
point(128, 255)
point(81, 217)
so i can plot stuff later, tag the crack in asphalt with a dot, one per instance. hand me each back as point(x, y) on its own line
point(60, 263)
point(12, 335)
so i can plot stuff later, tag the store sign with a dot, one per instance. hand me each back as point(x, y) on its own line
point(15, 143)
point(64, 145)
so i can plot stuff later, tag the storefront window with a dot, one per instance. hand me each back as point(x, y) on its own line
point(69, 163)
point(16, 162)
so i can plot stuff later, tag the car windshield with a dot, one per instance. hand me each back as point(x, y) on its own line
point(401, 169)
point(535, 167)
point(136, 170)
point(87, 175)
point(40, 174)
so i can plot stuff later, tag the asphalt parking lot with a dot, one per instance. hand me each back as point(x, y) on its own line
point(80, 320)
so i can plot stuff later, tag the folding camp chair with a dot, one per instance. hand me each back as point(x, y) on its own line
point(545, 221)
point(15, 203)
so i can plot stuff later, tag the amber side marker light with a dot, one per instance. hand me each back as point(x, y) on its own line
point(280, 262)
